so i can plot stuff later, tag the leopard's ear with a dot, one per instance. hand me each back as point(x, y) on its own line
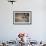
point(19, 35)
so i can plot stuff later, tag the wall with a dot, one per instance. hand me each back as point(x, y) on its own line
point(9, 31)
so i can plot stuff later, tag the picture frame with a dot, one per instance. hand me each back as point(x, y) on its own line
point(22, 17)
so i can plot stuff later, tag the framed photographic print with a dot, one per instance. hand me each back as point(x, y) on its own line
point(22, 17)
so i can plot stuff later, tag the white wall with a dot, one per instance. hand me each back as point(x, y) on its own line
point(9, 31)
